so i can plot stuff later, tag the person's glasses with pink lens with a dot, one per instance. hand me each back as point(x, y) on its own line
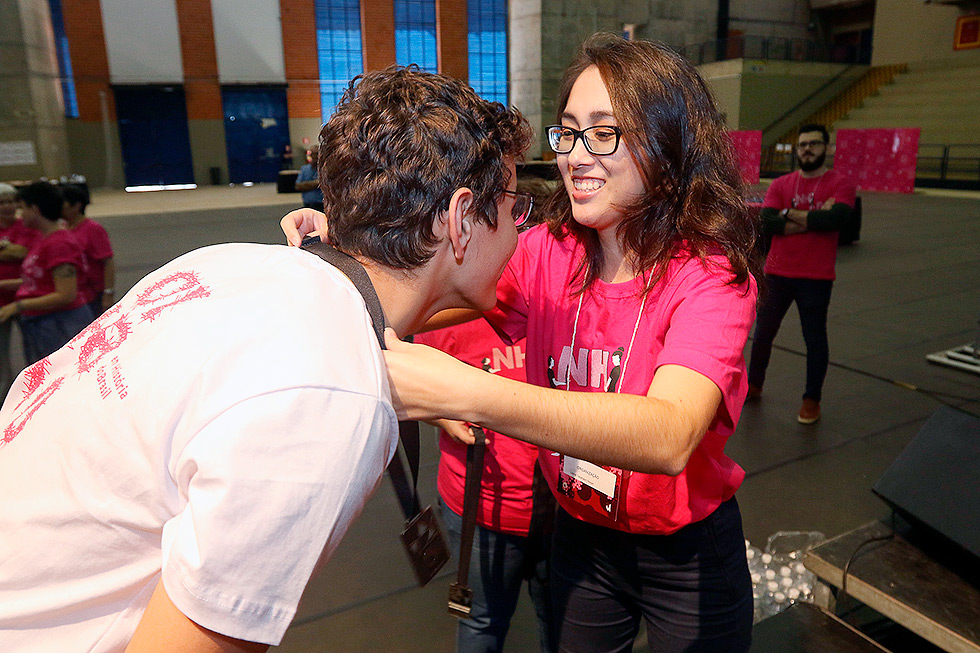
point(523, 203)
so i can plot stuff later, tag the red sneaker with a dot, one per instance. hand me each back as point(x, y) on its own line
point(755, 391)
point(809, 412)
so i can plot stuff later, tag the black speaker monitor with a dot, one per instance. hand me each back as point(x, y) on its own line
point(935, 482)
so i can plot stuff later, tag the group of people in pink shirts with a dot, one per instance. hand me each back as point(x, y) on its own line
point(56, 269)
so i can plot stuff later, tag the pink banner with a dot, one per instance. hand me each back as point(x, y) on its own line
point(748, 149)
point(878, 159)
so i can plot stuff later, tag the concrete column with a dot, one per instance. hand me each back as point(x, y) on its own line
point(32, 118)
point(524, 46)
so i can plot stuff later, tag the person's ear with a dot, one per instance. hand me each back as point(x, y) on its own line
point(459, 221)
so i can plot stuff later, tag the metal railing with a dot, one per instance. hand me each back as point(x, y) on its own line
point(774, 48)
point(955, 162)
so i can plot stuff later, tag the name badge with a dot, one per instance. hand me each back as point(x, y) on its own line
point(594, 486)
point(594, 476)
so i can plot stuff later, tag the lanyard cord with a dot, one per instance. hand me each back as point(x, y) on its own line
point(813, 195)
point(629, 348)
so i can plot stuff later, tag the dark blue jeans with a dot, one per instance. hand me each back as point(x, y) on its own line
point(692, 587)
point(45, 334)
point(499, 565)
point(812, 297)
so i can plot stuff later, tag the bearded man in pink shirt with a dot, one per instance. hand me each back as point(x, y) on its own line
point(803, 212)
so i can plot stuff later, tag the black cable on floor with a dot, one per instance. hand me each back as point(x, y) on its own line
point(935, 395)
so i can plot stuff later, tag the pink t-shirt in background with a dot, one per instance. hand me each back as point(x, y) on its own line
point(47, 253)
point(18, 234)
point(812, 254)
point(508, 465)
point(95, 244)
point(692, 318)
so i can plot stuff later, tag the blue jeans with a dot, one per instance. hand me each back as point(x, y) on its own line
point(46, 334)
point(6, 368)
point(499, 564)
point(692, 587)
point(812, 297)
point(95, 306)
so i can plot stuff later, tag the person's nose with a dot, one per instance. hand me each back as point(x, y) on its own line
point(580, 155)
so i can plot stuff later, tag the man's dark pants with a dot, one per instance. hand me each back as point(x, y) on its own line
point(812, 297)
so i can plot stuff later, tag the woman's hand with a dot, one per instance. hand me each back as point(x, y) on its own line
point(456, 430)
point(424, 380)
point(301, 223)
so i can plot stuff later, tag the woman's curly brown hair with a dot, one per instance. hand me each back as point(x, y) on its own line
point(399, 144)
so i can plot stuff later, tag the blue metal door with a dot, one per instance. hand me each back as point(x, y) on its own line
point(256, 131)
point(156, 146)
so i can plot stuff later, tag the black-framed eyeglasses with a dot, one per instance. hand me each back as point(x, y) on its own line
point(599, 140)
point(523, 203)
point(804, 144)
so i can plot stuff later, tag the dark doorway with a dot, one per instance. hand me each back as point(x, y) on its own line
point(156, 147)
point(256, 131)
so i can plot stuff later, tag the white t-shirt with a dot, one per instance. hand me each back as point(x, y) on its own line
point(184, 431)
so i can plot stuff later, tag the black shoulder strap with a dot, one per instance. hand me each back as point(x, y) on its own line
point(358, 276)
point(408, 432)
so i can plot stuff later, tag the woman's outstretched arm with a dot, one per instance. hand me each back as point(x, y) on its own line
point(655, 433)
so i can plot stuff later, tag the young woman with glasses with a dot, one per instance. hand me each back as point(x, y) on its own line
point(636, 299)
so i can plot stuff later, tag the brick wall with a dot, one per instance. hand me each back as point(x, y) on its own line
point(451, 38)
point(89, 60)
point(378, 33)
point(299, 52)
point(201, 86)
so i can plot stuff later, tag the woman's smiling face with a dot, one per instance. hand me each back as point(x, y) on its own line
point(599, 186)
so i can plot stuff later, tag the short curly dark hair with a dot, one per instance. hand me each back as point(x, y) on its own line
point(76, 194)
point(399, 144)
point(813, 127)
point(45, 196)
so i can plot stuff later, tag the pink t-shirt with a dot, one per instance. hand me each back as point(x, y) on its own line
point(18, 234)
point(95, 243)
point(49, 252)
point(508, 465)
point(692, 318)
point(812, 254)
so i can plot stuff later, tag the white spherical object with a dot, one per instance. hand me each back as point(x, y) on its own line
point(770, 574)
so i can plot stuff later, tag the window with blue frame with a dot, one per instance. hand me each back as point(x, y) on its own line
point(488, 48)
point(64, 59)
point(339, 52)
point(415, 34)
